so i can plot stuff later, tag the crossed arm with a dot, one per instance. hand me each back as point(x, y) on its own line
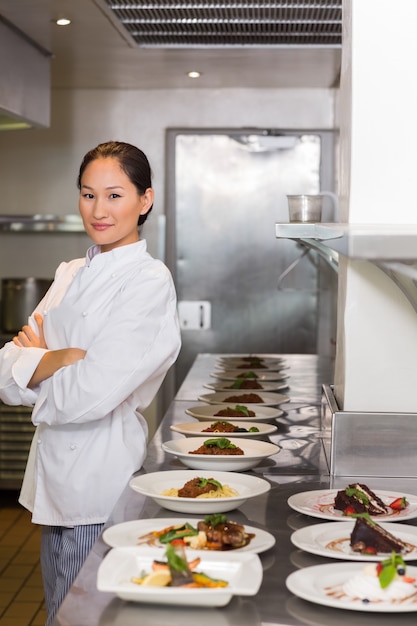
point(52, 360)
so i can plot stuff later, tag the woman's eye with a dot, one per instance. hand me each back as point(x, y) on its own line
point(114, 195)
point(88, 195)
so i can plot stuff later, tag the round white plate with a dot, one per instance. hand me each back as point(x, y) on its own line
point(153, 484)
point(242, 570)
point(226, 386)
point(319, 503)
point(248, 358)
point(321, 583)
point(267, 399)
point(232, 374)
point(254, 452)
point(204, 412)
point(195, 429)
point(129, 533)
point(333, 540)
point(243, 367)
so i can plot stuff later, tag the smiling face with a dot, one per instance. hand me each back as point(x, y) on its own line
point(110, 204)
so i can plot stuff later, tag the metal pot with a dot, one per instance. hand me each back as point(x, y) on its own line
point(19, 297)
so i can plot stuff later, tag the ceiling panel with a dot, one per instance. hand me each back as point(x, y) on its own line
point(263, 45)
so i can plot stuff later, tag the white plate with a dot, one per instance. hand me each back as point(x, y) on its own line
point(243, 571)
point(267, 399)
point(232, 374)
point(204, 412)
point(195, 429)
point(244, 360)
point(254, 452)
point(226, 386)
point(320, 583)
point(319, 503)
point(153, 484)
point(128, 533)
point(271, 367)
point(333, 540)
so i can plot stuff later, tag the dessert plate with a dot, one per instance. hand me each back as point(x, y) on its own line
point(154, 484)
point(322, 584)
point(129, 533)
point(319, 503)
point(266, 399)
point(332, 540)
point(242, 571)
point(195, 429)
point(254, 452)
point(204, 412)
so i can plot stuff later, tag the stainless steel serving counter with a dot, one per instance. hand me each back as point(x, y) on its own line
point(299, 466)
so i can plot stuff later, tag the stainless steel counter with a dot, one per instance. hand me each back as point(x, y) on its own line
point(299, 466)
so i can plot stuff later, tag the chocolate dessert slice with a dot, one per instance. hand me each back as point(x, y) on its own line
point(361, 499)
point(368, 536)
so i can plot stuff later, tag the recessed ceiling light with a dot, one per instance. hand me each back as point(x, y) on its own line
point(193, 74)
point(63, 21)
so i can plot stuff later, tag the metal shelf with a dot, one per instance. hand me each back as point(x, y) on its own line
point(41, 223)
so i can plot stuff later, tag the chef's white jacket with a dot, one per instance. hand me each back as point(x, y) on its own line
point(119, 306)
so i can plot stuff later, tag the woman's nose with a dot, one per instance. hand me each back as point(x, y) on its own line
point(100, 209)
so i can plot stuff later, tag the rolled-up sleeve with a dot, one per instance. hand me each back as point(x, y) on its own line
point(17, 366)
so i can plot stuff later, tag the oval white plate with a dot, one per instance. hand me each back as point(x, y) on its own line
point(243, 571)
point(128, 534)
point(153, 484)
point(320, 584)
point(232, 374)
point(333, 540)
point(319, 503)
point(241, 367)
point(219, 397)
point(226, 386)
point(254, 452)
point(195, 429)
point(204, 412)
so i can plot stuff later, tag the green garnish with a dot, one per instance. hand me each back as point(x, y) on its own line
point(364, 516)
point(254, 429)
point(219, 442)
point(249, 374)
point(389, 568)
point(215, 518)
point(175, 561)
point(238, 383)
point(179, 532)
point(242, 409)
point(203, 482)
point(352, 491)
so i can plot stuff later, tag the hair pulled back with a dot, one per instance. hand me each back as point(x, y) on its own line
point(132, 160)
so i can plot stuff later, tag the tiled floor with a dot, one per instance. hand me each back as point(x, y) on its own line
point(21, 593)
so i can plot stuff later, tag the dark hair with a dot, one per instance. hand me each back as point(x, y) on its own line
point(133, 162)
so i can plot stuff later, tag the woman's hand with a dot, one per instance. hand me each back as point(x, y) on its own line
point(27, 337)
point(52, 361)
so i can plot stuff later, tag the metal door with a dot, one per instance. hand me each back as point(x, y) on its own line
point(226, 191)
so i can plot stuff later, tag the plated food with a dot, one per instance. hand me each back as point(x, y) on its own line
point(227, 385)
point(221, 453)
point(240, 397)
point(157, 485)
point(149, 532)
point(240, 572)
point(356, 587)
point(334, 540)
point(260, 375)
point(251, 362)
point(258, 413)
point(321, 503)
point(217, 428)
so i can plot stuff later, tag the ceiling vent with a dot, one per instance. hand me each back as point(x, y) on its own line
point(200, 24)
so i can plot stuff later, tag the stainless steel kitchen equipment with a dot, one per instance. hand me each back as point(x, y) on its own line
point(226, 190)
point(19, 297)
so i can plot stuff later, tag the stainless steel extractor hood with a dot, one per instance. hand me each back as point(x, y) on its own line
point(24, 80)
